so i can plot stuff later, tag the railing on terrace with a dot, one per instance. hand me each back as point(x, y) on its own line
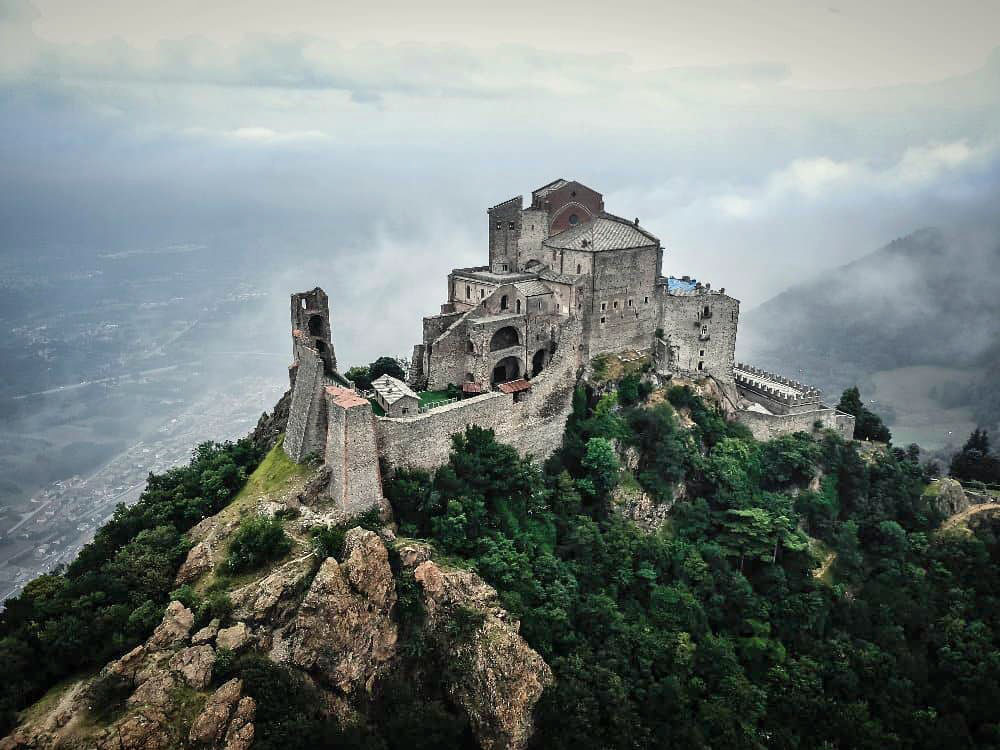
point(424, 408)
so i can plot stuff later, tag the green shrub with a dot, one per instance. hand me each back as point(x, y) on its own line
point(257, 542)
point(328, 541)
point(106, 697)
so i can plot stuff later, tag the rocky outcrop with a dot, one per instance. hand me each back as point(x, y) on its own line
point(502, 677)
point(274, 599)
point(270, 426)
point(198, 561)
point(338, 626)
point(176, 624)
point(344, 631)
point(950, 499)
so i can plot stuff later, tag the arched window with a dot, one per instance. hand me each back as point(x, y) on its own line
point(504, 338)
point(578, 268)
point(517, 305)
point(503, 302)
point(472, 348)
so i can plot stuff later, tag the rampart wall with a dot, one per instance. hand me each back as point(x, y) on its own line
point(351, 451)
point(769, 426)
point(306, 430)
point(534, 425)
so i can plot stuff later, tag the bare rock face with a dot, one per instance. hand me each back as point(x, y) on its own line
point(174, 628)
point(344, 631)
point(156, 690)
point(206, 634)
point(209, 727)
point(272, 600)
point(412, 554)
point(504, 677)
point(194, 665)
point(239, 735)
point(143, 731)
point(951, 498)
point(233, 638)
point(197, 562)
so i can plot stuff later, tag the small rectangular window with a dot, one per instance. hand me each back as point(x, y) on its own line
point(510, 224)
point(499, 225)
point(505, 266)
point(701, 353)
point(646, 301)
point(603, 320)
point(468, 292)
point(630, 303)
point(616, 304)
point(604, 306)
point(482, 293)
point(701, 365)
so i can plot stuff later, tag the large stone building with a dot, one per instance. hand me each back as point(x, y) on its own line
point(566, 281)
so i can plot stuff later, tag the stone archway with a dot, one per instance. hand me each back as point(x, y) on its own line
point(507, 369)
point(539, 361)
point(505, 338)
point(315, 325)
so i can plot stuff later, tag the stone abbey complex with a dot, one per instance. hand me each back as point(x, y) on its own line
point(566, 283)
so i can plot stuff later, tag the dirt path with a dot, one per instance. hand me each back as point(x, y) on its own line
point(960, 518)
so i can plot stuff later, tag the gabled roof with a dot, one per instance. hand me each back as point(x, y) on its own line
point(392, 389)
point(532, 288)
point(546, 189)
point(514, 386)
point(557, 278)
point(603, 232)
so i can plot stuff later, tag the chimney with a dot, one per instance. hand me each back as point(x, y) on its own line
point(636, 222)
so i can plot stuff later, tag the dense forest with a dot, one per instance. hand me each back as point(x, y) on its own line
point(801, 595)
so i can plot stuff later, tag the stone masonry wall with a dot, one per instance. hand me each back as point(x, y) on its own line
point(623, 282)
point(306, 430)
point(769, 426)
point(533, 425)
point(685, 328)
point(352, 452)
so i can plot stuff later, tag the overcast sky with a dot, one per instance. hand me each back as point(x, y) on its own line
point(762, 141)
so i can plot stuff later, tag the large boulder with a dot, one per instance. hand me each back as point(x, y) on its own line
point(272, 600)
point(174, 629)
point(950, 498)
point(197, 562)
point(209, 727)
point(239, 735)
point(233, 638)
point(344, 631)
point(502, 678)
point(194, 665)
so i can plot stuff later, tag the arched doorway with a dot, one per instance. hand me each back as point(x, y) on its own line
point(508, 368)
point(315, 325)
point(504, 339)
point(538, 362)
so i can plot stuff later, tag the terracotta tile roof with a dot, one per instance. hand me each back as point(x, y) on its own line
point(603, 232)
point(345, 397)
point(472, 388)
point(514, 386)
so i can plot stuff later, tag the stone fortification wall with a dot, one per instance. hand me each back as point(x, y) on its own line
point(622, 312)
point(778, 394)
point(533, 425)
point(769, 426)
point(306, 430)
point(351, 451)
point(698, 342)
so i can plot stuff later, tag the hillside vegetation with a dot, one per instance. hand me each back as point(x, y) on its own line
point(797, 594)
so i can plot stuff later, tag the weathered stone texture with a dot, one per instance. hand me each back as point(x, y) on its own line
point(699, 332)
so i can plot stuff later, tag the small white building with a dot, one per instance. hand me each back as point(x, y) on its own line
point(395, 397)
